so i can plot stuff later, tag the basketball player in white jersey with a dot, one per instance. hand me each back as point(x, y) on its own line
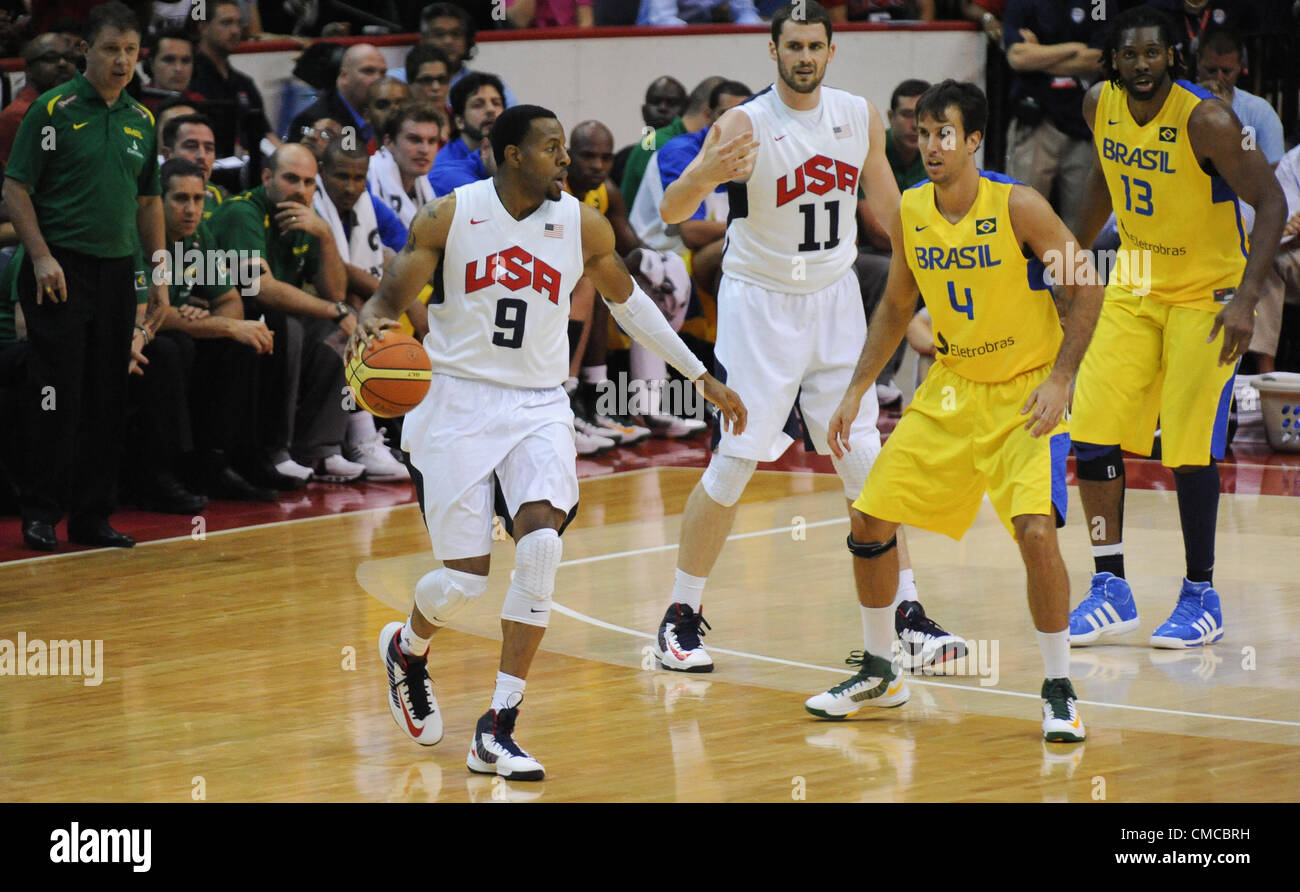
point(790, 315)
point(496, 424)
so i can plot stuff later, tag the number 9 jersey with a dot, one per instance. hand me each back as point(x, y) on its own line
point(500, 310)
point(800, 202)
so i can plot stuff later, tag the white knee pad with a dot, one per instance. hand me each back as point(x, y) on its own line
point(537, 557)
point(442, 594)
point(854, 467)
point(726, 477)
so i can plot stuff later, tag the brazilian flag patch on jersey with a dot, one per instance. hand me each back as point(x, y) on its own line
point(140, 281)
point(987, 226)
point(1169, 134)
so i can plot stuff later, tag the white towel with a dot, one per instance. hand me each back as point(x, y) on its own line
point(363, 248)
point(385, 181)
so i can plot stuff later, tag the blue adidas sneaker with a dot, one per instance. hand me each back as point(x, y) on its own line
point(1197, 619)
point(1108, 610)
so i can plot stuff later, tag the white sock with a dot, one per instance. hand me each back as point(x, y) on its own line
point(878, 631)
point(1055, 648)
point(412, 644)
point(509, 691)
point(689, 590)
point(594, 374)
point(570, 384)
point(906, 588)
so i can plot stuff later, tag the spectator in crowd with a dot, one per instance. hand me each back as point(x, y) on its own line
point(77, 282)
point(319, 134)
point(1050, 47)
point(382, 100)
point(366, 233)
point(901, 137)
point(988, 15)
point(1220, 59)
point(451, 30)
point(191, 137)
point(345, 102)
point(1197, 18)
point(550, 13)
point(172, 108)
point(1287, 265)
point(15, 25)
point(693, 119)
point(665, 99)
point(301, 380)
point(697, 12)
point(170, 67)
point(48, 60)
point(428, 75)
point(476, 101)
point(399, 171)
point(234, 101)
point(880, 10)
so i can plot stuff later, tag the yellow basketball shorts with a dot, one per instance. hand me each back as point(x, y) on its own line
point(1148, 362)
point(958, 440)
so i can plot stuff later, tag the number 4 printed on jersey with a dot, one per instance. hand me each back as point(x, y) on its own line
point(967, 309)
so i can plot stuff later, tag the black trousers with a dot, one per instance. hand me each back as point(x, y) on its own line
point(74, 415)
point(158, 417)
point(224, 392)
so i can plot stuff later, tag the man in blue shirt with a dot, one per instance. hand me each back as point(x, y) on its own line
point(1220, 60)
point(697, 12)
point(345, 102)
point(476, 102)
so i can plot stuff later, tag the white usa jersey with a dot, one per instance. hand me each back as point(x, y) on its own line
point(801, 200)
point(502, 312)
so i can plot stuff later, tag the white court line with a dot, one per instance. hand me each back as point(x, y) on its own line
point(590, 620)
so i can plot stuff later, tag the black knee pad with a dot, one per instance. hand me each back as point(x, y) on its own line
point(1099, 463)
point(871, 549)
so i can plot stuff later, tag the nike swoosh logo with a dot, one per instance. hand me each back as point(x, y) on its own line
point(535, 610)
point(919, 228)
point(79, 126)
point(415, 732)
point(474, 222)
point(1110, 122)
point(779, 138)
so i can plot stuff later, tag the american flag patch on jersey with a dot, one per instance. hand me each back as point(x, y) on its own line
point(553, 230)
point(842, 132)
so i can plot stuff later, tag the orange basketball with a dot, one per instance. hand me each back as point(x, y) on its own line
point(392, 375)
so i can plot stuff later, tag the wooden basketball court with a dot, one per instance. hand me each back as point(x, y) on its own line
point(244, 666)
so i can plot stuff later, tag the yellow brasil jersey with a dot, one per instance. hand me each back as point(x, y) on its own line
point(1181, 237)
point(597, 198)
point(993, 315)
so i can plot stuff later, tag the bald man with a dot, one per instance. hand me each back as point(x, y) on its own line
point(346, 101)
point(49, 60)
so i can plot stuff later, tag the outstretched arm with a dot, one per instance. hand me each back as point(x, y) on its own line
point(728, 154)
point(644, 321)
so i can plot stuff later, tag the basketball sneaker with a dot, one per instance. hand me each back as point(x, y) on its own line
point(336, 469)
point(627, 432)
point(875, 684)
point(1197, 619)
point(1061, 720)
point(672, 427)
point(494, 751)
point(590, 439)
point(1109, 609)
point(410, 693)
point(373, 454)
point(677, 645)
point(924, 645)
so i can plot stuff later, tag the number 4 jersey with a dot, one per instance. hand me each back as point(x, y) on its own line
point(1181, 235)
point(991, 309)
point(502, 313)
point(793, 225)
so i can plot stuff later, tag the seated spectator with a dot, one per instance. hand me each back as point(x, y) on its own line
point(476, 101)
point(235, 103)
point(345, 102)
point(697, 12)
point(48, 60)
point(1198, 18)
point(399, 171)
point(550, 13)
point(1220, 59)
point(665, 99)
point(382, 100)
point(301, 414)
point(366, 235)
point(191, 137)
point(170, 67)
point(428, 75)
point(318, 135)
point(694, 118)
point(1287, 265)
point(880, 10)
point(450, 29)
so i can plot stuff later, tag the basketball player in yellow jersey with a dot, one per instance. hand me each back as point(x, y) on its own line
point(1178, 314)
point(989, 415)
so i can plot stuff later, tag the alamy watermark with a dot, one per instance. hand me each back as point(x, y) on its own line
point(632, 396)
point(209, 268)
point(84, 657)
point(1079, 267)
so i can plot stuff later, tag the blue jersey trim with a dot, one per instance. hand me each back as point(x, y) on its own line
point(1198, 92)
point(1000, 178)
point(1060, 493)
point(1219, 439)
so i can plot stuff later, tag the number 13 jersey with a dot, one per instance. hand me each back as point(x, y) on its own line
point(501, 310)
point(793, 226)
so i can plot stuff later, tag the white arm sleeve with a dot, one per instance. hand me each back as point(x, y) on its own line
point(644, 321)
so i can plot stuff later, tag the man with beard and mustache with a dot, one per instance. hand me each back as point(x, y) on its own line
point(477, 101)
point(1175, 167)
point(507, 253)
point(790, 316)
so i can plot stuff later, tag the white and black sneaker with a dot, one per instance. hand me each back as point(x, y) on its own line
point(923, 645)
point(410, 692)
point(494, 750)
point(677, 644)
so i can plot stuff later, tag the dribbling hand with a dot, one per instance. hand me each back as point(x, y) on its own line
point(363, 332)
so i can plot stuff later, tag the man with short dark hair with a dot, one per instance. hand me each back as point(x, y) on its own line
point(451, 30)
point(49, 60)
point(477, 101)
point(695, 116)
point(70, 198)
point(171, 66)
point(236, 103)
point(191, 137)
point(428, 74)
point(665, 100)
point(399, 171)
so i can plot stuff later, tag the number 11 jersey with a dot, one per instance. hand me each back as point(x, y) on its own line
point(792, 226)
